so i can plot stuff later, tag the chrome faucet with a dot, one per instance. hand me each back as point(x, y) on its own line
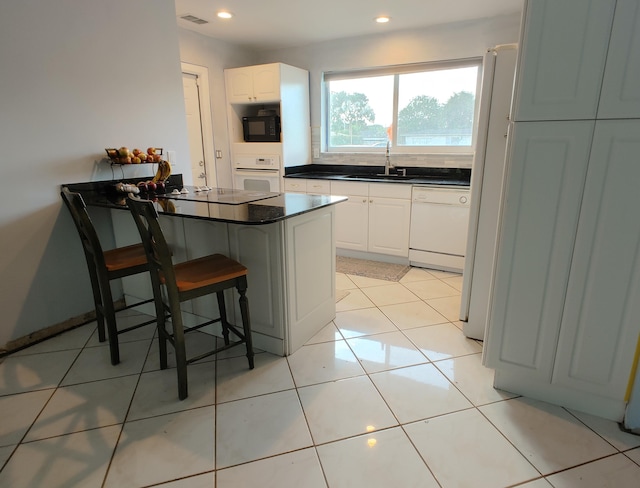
point(387, 161)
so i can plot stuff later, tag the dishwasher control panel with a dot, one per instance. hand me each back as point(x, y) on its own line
point(442, 196)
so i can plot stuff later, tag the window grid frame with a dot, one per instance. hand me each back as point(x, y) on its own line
point(396, 71)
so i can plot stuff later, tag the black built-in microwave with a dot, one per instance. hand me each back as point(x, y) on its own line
point(261, 128)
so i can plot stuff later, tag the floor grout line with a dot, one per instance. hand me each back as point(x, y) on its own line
point(298, 388)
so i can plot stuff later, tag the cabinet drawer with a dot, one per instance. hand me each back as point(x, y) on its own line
point(349, 188)
point(390, 190)
point(295, 185)
point(319, 187)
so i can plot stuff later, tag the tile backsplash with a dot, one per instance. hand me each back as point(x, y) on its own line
point(378, 158)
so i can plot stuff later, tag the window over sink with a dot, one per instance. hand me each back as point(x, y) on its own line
point(419, 108)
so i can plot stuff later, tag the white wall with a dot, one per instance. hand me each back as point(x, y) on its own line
point(216, 55)
point(77, 76)
point(450, 41)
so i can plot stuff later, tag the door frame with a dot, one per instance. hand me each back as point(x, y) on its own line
point(202, 73)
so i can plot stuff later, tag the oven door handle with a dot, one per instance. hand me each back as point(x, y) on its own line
point(257, 172)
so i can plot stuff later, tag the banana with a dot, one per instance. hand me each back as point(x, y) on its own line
point(164, 171)
point(158, 175)
point(167, 205)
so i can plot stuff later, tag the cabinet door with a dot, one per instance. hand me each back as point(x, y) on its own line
point(389, 220)
point(600, 324)
point(352, 219)
point(258, 247)
point(239, 84)
point(544, 183)
point(266, 82)
point(562, 58)
point(620, 97)
point(311, 275)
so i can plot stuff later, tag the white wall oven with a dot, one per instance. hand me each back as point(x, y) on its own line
point(257, 173)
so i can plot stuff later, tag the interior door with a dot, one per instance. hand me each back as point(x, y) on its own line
point(194, 126)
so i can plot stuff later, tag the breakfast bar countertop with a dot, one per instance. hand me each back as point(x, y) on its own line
point(286, 240)
point(218, 204)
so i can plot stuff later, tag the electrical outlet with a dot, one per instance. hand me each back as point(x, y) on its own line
point(171, 157)
point(316, 152)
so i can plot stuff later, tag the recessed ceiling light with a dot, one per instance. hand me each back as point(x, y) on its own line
point(383, 19)
point(224, 14)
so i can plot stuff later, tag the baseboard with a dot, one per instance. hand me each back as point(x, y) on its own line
point(372, 256)
point(51, 331)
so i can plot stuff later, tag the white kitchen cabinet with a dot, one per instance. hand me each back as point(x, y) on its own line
point(600, 322)
point(352, 216)
point(620, 97)
point(295, 185)
point(563, 317)
point(561, 59)
point(310, 283)
point(278, 87)
point(253, 84)
point(389, 219)
point(318, 187)
point(288, 301)
point(375, 219)
point(310, 186)
point(548, 163)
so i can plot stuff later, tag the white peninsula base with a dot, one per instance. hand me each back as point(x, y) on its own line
point(291, 266)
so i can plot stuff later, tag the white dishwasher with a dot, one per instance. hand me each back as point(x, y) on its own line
point(438, 232)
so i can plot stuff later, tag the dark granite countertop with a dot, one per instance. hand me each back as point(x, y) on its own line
point(414, 175)
point(218, 204)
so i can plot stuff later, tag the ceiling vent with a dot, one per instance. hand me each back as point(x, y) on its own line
point(194, 19)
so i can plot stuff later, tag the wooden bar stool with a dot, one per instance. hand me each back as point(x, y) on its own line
point(103, 267)
point(186, 281)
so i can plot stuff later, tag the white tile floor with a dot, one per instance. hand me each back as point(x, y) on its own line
point(390, 394)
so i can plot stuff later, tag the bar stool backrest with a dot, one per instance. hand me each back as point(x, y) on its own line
point(88, 236)
point(155, 244)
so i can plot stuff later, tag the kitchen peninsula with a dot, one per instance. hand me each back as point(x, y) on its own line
point(286, 241)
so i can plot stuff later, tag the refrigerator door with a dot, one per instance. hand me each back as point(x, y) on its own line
point(486, 188)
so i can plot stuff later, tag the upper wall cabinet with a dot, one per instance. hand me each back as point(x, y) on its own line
point(281, 88)
point(620, 96)
point(253, 84)
point(562, 58)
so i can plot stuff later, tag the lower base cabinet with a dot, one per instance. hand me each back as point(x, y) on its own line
point(375, 219)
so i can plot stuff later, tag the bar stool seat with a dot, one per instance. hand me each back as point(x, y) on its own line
point(185, 281)
point(103, 267)
point(122, 258)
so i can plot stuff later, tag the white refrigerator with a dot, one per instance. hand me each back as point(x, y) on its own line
point(486, 187)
